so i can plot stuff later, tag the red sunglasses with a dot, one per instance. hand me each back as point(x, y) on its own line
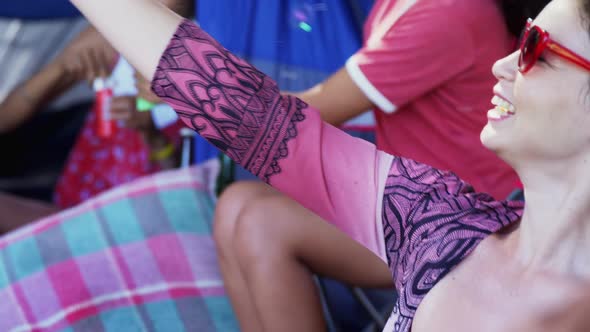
point(535, 41)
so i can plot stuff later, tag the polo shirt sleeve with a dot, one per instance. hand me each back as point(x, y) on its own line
point(423, 50)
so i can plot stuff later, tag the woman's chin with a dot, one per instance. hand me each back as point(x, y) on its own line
point(490, 138)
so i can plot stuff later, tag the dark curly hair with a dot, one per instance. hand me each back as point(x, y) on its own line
point(516, 12)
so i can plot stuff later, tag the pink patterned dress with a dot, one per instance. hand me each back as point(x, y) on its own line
point(420, 220)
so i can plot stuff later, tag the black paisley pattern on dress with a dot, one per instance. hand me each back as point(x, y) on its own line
point(227, 101)
point(432, 220)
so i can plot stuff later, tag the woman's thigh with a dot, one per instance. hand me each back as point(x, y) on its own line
point(276, 225)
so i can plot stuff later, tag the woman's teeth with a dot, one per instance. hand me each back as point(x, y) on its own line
point(503, 109)
point(503, 106)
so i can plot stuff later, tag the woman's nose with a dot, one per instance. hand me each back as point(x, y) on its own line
point(507, 67)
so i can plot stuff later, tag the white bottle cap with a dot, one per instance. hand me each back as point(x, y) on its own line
point(99, 84)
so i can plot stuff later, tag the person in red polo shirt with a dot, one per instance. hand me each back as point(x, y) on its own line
point(425, 66)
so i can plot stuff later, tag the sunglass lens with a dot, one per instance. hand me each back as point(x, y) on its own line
point(528, 50)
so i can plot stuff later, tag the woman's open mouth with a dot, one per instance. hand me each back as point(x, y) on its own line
point(503, 110)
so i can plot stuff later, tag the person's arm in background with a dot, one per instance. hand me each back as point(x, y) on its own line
point(24, 101)
point(338, 99)
point(86, 57)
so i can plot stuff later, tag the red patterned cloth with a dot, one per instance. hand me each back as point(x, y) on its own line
point(96, 164)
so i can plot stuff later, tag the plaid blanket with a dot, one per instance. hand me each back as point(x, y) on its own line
point(137, 258)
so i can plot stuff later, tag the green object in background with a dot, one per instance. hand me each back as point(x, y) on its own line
point(143, 105)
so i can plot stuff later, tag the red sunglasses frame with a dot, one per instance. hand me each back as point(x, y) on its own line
point(546, 43)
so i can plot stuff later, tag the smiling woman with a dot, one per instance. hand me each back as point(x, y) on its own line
point(449, 249)
point(544, 82)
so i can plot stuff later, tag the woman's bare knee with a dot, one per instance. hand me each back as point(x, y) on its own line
point(231, 203)
point(265, 229)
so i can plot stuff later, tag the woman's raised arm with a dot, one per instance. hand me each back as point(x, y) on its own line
point(240, 110)
point(139, 29)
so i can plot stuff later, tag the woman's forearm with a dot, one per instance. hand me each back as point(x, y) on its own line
point(139, 29)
